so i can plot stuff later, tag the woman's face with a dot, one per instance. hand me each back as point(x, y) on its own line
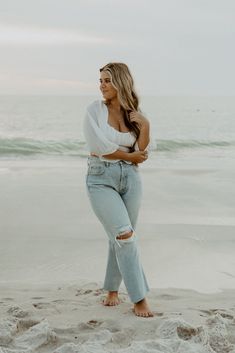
point(106, 87)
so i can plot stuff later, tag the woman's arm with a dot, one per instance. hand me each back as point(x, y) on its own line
point(134, 157)
point(143, 139)
point(118, 154)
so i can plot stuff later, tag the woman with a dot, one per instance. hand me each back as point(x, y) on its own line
point(117, 136)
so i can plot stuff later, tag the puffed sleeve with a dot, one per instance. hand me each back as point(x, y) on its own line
point(96, 141)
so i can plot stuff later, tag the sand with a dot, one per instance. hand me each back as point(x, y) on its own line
point(71, 318)
point(53, 257)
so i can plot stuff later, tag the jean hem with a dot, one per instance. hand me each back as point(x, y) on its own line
point(110, 290)
point(137, 299)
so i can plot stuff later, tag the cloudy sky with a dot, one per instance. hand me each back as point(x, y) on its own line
point(172, 47)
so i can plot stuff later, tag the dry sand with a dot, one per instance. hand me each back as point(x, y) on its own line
point(71, 318)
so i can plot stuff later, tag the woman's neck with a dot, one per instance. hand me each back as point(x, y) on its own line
point(115, 104)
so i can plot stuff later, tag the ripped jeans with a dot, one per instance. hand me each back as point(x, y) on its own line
point(115, 191)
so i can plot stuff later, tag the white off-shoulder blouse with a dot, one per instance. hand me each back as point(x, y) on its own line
point(102, 138)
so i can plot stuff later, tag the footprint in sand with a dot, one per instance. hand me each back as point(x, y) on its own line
point(187, 332)
point(45, 306)
point(23, 324)
point(42, 305)
point(91, 324)
point(222, 312)
point(83, 291)
point(17, 311)
point(99, 292)
point(88, 291)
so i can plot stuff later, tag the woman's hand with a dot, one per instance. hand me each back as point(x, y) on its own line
point(133, 157)
point(138, 118)
point(138, 157)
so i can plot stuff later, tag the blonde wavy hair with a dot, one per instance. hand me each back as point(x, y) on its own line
point(123, 82)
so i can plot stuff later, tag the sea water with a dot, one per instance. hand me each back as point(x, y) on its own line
point(40, 127)
point(191, 167)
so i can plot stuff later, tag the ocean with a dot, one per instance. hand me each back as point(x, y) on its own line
point(48, 230)
point(190, 171)
point(45, 127)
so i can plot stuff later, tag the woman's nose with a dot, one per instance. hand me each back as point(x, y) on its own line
point(102, 87)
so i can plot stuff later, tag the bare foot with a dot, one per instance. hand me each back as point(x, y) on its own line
point(111, 299)
point(142, 309)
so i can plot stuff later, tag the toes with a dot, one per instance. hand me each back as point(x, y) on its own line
point(107, 302)
point(144, 314)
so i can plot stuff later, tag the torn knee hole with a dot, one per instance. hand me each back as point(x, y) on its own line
point(125, 235)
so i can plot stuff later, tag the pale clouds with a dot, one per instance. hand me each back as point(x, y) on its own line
point(44, 85)
point(32, 35)
point(172, 47)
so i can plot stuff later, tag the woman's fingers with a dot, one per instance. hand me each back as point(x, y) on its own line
point(139, 156)
point(145, 154)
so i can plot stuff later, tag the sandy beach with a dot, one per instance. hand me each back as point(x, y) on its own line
point(53, 256)
point(168, 63)
point(71, 319)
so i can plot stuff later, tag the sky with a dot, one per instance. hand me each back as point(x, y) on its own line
point(172, 47)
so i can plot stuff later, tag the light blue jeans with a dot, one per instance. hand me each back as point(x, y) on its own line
point(115, 192)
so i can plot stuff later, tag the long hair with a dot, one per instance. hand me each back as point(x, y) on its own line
point(123, 82)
